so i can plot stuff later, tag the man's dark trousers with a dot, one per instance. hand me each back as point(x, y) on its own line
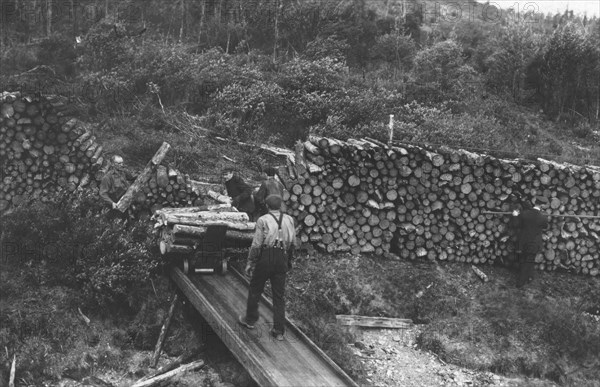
point(270, 266)
point(526, 268)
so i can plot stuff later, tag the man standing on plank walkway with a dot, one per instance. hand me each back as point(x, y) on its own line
point(270, 258)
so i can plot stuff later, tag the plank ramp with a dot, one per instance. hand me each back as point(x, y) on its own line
point(296, 361)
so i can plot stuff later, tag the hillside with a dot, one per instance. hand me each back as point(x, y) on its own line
point(146, 71)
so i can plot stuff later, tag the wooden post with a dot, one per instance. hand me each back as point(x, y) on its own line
point(163, 332)
point(391, 129)
point(143, 177)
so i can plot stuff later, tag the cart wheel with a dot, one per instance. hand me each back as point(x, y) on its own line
point(186, 266)
point(223, 268)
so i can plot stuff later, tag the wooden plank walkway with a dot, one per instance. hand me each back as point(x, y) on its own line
point(296, 361)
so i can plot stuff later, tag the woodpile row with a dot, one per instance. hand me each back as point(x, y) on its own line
point(43, 150)
point(168, 187)
point(362, 196)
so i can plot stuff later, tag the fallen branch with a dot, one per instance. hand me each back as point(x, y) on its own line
point(164, 369)
point(84, 317)
point(143, 177)
point(163, 332)
point(166, 376)
point(218, 197)
point(11, 379)
point(374, 322)
point(479, 273)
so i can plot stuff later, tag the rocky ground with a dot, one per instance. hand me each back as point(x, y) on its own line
point(390, 355)
point(393, 360)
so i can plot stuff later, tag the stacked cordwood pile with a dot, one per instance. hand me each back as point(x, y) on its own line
point(355, 196)
point(168, 187)
point(362, 196)
point(43, 150)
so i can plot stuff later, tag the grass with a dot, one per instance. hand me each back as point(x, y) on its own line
point(41, 325)
point(537, 332)
point(192, 150)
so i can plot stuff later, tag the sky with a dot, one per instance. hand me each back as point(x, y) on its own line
point(590, 7)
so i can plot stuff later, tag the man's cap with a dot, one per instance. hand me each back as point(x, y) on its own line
point(270, 171)
point(274, 202)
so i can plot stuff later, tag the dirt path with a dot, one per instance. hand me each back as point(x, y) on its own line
point(393, 360)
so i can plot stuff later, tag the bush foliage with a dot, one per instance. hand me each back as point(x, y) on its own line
point(71, 242)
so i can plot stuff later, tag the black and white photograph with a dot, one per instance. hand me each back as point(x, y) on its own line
point(299, 193)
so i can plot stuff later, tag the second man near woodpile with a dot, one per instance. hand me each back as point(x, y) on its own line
point(528, 225)
point(113, 186)
point(239, 192)
point(270, 258)
point(268, 187)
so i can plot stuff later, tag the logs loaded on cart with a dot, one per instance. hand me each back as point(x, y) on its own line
point(363, 196)
point(194, 238)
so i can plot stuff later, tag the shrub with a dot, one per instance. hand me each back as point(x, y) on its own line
point(58, 51)
point(17, 59)
point(104, 46)
point(71, 242)
point(329, 47)
point(583, 130)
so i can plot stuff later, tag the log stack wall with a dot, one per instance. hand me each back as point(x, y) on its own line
point(365, 196)
point(44, 150)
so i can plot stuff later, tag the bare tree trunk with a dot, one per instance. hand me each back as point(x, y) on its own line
point(182, 20)
point(277, 5)
point(105, 8)
point(48, 17)
point(35, 17)
point(75, 20)
point(220, 10)
point(228, 40)
point(202, 16)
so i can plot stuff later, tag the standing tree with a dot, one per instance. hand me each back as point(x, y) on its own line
point(570, 73)
point(515, 49)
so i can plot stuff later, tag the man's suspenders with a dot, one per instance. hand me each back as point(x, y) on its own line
point(279, 239)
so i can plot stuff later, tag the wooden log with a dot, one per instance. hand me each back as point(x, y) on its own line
point(310, 147)
point(219, 197)
point(245, 236)
point(96, 154)
point(300, 166)
point(204, 216)
point(142, 178)
point(479, 273)
point(171, 248)
point(81, 139)
point(180, 229)
point(192, 221)
point(373, 322)
point(162, 178)
point(11, 378)
point(166, 368)
point(163, 332)
point(160, 379)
